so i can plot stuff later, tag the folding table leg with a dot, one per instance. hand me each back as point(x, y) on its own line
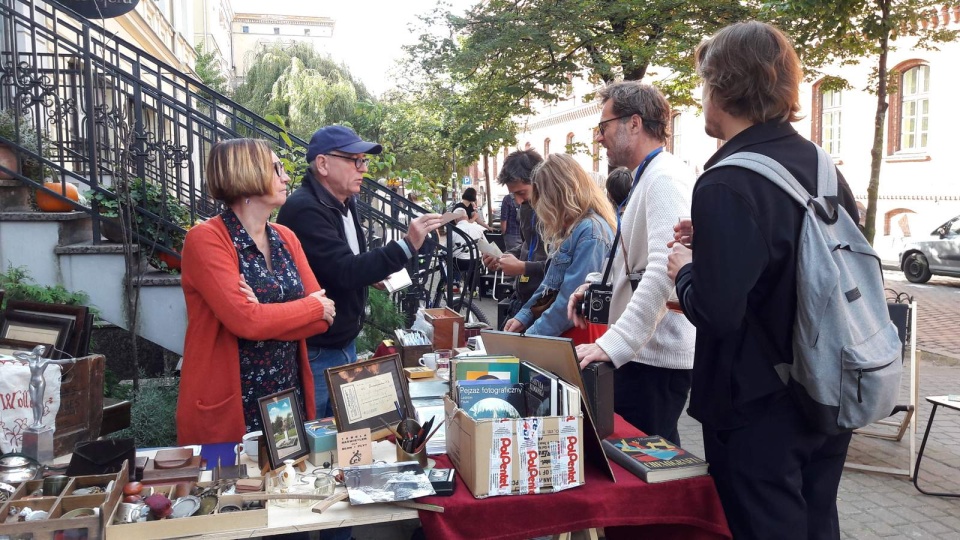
point(923, 446)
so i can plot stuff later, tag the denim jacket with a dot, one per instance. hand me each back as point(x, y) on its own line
point(584, 251)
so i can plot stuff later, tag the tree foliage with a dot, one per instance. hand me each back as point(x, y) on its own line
point(306, 88)
point(849, 32)
point(509, 51)
point(209, 71)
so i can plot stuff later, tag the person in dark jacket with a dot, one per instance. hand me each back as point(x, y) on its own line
point(322, 212)
point(527, 261)
point(777, 477)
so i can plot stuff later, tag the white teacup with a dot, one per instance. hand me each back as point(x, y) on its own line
point(250, 443)
point(429, 360)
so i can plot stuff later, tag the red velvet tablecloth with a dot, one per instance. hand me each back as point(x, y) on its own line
point(628, 508)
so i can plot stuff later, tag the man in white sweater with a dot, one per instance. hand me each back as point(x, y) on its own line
point(651, 347)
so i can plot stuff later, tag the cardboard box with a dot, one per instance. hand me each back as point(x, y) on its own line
point(515, 456)
point(410, 355)
point(322, 439)
point(470, 443)
point(448, 330)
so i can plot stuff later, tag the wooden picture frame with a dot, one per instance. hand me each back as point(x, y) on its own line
point(38, 329)
point(367, 395)
point(80, 337)
point(10, 346)
point(285, 407)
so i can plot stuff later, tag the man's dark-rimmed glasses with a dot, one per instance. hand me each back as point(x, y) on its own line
point(359, 162)
point(601, 127)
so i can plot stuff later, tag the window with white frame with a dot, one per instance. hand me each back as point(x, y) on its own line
point(914, 108)
point(675, 136)
point(830, 102)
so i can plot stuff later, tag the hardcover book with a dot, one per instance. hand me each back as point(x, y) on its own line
point(504, 368)
point(653, 459)
point(540, 390)
point(491, 400)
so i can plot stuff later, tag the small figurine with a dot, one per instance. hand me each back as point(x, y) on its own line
point(38, 385)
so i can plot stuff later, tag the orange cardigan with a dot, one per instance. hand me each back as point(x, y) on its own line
point(209, 409)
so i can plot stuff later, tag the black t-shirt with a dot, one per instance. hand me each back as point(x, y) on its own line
point(469, 209)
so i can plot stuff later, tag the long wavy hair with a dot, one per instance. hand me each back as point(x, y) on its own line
point(564, 194)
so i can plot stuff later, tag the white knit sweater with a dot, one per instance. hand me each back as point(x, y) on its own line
point(642, 329)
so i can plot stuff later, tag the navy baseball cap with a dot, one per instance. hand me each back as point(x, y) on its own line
point(341, 138)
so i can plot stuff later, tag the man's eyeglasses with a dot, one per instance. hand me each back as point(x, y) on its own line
point(279, 168)
point(360, 162)
point(601, 127)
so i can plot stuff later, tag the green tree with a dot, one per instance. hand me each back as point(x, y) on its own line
point(306, 88)
point(208, 69)
point(848, 32)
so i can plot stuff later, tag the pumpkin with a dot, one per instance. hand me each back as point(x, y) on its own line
point(52, 203)
point(172, 261)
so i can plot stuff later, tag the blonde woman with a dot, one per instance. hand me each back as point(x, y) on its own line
point(576, 222)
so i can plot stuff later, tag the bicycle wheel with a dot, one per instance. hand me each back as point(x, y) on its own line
point(473, 311)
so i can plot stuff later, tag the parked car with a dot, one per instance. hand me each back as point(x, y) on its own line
point(938, 254)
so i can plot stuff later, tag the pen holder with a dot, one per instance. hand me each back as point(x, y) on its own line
point(408, 431)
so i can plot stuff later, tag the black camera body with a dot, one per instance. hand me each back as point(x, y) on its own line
point(595, 306)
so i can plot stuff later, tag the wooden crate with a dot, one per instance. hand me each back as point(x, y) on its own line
point(81, 404)
point(448, 329)
point(58, 506)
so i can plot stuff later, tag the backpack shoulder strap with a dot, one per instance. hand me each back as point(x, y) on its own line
point(772, 170)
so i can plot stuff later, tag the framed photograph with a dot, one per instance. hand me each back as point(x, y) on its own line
point(283, 427)
point(38, 329)
point(79, 338)
point(370, 394)
point(10, 346)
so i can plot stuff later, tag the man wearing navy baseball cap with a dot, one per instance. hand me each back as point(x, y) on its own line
point(322, 213)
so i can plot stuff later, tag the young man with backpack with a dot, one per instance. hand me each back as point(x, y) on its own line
point(776, 470)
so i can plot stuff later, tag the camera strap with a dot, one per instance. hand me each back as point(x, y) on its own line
point(616, 238)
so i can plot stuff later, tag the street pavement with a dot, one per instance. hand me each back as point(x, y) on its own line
point(878, 505)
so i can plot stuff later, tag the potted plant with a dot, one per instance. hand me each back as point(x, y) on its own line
point(144, 197)
point(17, 128)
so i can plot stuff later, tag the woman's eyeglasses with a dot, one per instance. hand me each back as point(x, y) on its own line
point(278, 168)
point(359, 162)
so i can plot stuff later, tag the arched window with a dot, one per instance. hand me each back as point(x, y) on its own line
point(569, 146)
point(546, 147)
point(825, 121)
point(910, 109)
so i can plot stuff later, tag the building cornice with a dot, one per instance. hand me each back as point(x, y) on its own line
point(296, 20)
point(583, 111)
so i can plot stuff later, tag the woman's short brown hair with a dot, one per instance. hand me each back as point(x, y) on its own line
point(239, 168)
point(750, 70)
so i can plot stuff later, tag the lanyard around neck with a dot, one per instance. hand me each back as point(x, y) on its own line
point(636, 180)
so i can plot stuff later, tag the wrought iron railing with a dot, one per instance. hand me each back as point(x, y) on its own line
point(106, 110)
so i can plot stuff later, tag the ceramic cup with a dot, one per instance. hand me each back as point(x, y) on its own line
point(250, 444)
point(429, 360)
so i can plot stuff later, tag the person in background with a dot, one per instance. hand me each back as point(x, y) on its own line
point(465, 253)
point(322, 212)
point(652, 348)
point(776, 476)
point(509, 223)
point(576, 222)
point(527, 261)
point(468, 202)
point(618, 187)
point(251, 300)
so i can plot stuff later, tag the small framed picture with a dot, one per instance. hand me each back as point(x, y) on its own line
point(283, 427)
point(370, 394)
point(10, 346)
point(38, 329)
point(79, 314)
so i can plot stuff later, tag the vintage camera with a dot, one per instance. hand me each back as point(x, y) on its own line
point(595, 306)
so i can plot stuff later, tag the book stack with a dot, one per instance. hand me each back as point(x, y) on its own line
point(653, 459)
point(504, 387)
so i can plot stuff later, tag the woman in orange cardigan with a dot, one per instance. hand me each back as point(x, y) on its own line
point(251, 300)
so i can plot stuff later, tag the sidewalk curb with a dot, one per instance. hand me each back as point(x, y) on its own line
point(938, 358)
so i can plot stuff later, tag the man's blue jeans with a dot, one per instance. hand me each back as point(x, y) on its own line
point(320, 360)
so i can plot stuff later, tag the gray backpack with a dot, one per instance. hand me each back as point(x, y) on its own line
point(847, 355)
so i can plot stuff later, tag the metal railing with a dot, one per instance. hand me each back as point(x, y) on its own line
point(106, 111)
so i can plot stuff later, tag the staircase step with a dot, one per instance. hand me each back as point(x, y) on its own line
point(156, 278)
point(14, 196)
point(89, 248)
point(74, 226)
